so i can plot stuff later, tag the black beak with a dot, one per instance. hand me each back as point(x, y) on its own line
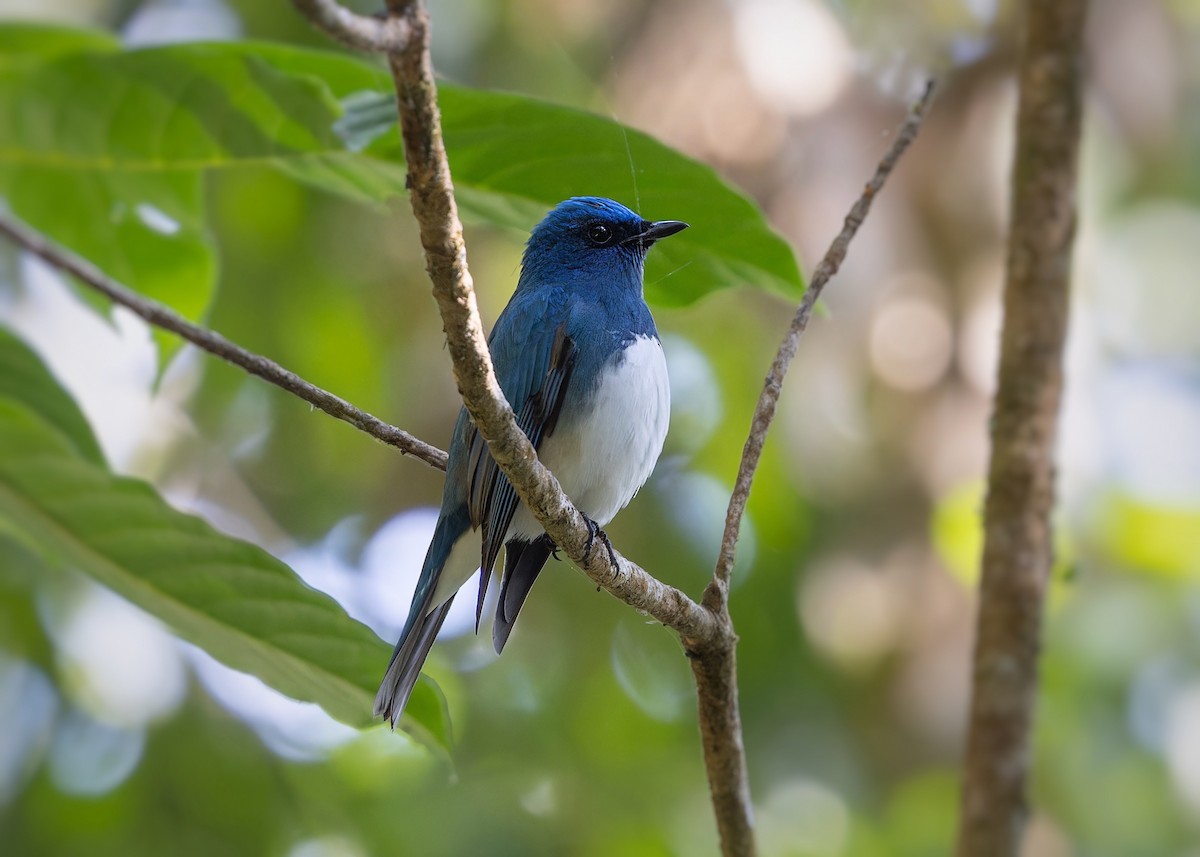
point(651, 232)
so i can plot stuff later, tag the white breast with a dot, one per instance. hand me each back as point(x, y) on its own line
point(602, 457)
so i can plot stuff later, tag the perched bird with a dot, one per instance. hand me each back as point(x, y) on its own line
point(578, 357)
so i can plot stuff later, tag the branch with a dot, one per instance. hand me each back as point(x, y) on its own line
point(716, 671)
point(764, 413)
point(212, 342)
point(1018, 538)
point(361, 32)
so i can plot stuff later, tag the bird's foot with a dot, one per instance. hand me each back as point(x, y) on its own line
point(594, 533)
point(554, 553)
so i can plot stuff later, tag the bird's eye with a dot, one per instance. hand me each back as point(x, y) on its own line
point(599, 234)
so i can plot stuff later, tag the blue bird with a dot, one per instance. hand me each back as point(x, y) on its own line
point(579, 359)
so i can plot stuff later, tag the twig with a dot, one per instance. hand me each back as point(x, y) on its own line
point(1018, 537)
point(361, 32)
point(715, 667)
point(764, 412)
point(212, 342)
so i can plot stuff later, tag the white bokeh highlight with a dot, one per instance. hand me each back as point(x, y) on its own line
point(794, 51)
point(120, 665)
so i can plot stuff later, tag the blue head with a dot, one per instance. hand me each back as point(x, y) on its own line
point(588, 240)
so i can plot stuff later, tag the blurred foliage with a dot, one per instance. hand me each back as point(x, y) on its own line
point(233, 599)
point(852, 596)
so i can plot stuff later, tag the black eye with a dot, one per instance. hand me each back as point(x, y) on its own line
point(599, 234)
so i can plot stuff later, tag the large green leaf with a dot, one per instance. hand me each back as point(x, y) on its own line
point(24, 378)
point(145, 230)
point(178, 107)
point(233, 599)
point(203, 106)
point(23, 42)
point(512, 151)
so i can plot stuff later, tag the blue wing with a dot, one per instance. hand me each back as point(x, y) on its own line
point(534, 358)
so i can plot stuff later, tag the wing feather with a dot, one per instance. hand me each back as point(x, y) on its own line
point(492, 501)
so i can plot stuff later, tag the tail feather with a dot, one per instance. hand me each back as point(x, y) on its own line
point(425, 619)
point(522, 563)
point(406, 663)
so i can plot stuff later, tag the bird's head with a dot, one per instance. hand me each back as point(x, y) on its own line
point(587, 236)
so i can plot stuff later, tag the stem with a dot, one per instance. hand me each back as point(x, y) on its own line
point(1018, 537)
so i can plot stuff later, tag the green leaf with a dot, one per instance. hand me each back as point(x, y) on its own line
point(22, 42)
point(514, 157)
point(214, 105)
point(21, 632)
point(231, 598)
point(24, 378)
point(146, 230)
point(187, 107)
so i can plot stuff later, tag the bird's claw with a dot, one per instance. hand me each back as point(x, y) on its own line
point(594, 532)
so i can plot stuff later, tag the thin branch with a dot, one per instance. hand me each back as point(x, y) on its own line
point(363, 33)
point(715, 667)
point(1018, 536)
point(212, 342)
point(432, 198)
point(764, 413)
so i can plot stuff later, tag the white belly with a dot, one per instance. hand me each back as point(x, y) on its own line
point(603, 457)
point(600, 458)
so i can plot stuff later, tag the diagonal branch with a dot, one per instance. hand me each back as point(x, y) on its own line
point(212, 342)
point(764, 412)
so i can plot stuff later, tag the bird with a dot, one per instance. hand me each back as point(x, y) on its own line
point(578, 356)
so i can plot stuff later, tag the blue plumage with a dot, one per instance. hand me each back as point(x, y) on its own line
point(578, 357)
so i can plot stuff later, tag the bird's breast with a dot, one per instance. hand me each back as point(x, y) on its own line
point(605, 450)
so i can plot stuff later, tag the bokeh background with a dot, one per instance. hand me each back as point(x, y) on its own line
point(854, 592)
